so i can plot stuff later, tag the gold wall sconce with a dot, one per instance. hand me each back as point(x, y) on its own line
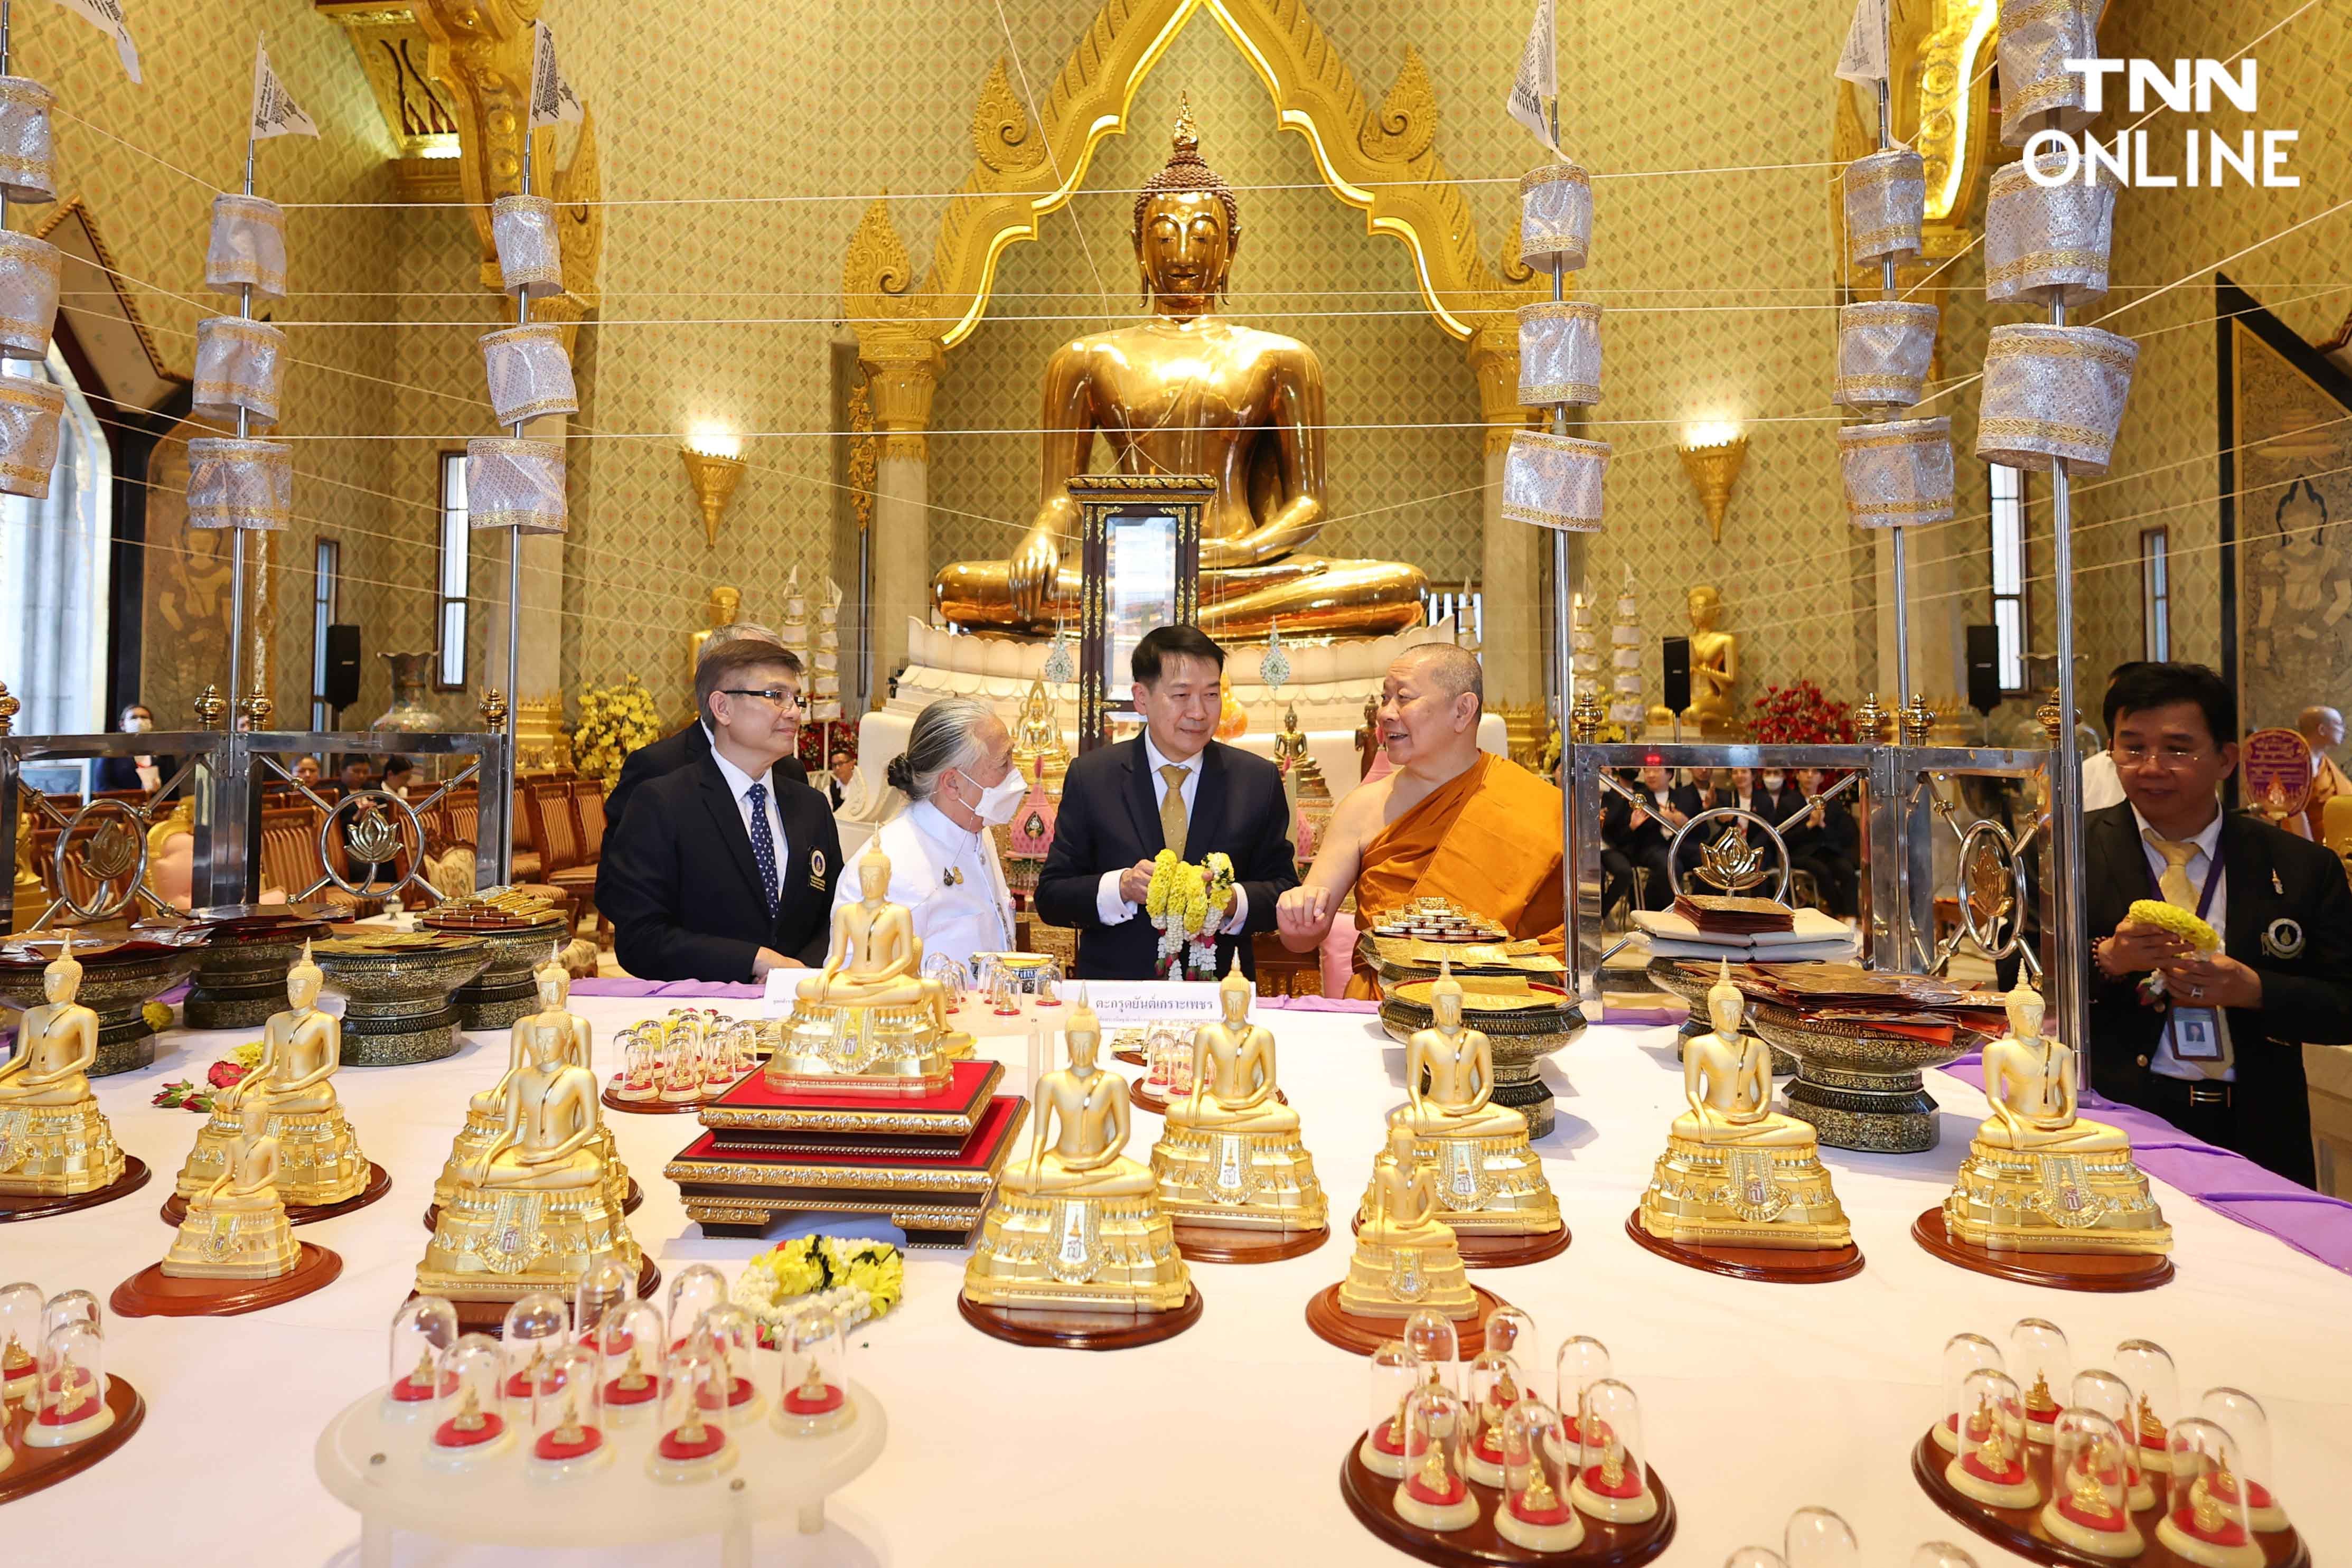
point(1712, 455)
point(714, 466)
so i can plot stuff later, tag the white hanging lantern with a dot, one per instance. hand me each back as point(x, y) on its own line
point(247, 249)
point(1897, 475)
point(1555, 217)
point(2048, 244)
point(2037, 39)
point(1886, 206)
point(529, 373)
point(28, 159)
point(29, 412)
point(1884, 348)
point(531, 257)
point(1554, 481)
point(515, 484)
point(237, 483)
point(2053, 391)
point(1559, 353)
point(238, 365)
point(30, 270)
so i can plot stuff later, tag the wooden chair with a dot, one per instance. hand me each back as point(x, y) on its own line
point(290, 858)
point(582, 810)
point(529, 860)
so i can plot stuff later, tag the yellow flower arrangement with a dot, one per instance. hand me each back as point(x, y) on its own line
point(613, 722)
point(2178, 921)
point(1188, 904)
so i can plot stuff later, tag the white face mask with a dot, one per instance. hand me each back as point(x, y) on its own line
point(136, 725)
point(999, 800)
point(1772, 782)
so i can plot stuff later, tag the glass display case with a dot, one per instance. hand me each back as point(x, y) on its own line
point(1990, 1464)
point(1393, 1372)
point(2090, 1486)
point(567, 1413)
point(424, 1331)
point(472, 1407)
point(1140, 552)
point(814, 1395)
point(1613, 1480)
point(1539, 1470)
point(1435, 1494)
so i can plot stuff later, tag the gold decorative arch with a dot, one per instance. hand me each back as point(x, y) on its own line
point(1382, 161)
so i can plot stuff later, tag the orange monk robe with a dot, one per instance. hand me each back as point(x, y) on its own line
point(1489, 839)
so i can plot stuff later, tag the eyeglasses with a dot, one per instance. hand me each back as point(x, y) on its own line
point(2165, 755)
point(782, 697)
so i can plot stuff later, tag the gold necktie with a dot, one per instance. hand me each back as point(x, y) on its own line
point(2174, 883)
point(1171, 808)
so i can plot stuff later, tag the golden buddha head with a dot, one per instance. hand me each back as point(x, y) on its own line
point(1724, 1002)
point(543, 1040)
point(252, 1112)
point(304, 980)
point(1706, 607)
point(725, 604)
point(1081, 1034)
point(874, 872)
point(1445, 996)
point(1233, 993)
point(1401, 1145)
point(2024, 1007)
point(62, 979)
point(554, 980)
point(1187, 224)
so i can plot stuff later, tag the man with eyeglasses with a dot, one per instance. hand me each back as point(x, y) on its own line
point(2212, 1043)
point(724, 870)
point(691, 745)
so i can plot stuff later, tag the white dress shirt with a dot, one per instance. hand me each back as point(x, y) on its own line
point(740, 783)
point(2200, 867)
point(948, 878)
point(2101, 787)
point(1113, 910)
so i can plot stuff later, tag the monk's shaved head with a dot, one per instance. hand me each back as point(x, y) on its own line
point(1454, 669)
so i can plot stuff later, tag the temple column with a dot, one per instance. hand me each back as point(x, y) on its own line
point(1511, 569)
point(901, 372)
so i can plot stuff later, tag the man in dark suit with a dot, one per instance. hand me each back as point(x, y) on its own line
point(724, 870)
point(1634, 836)
point(692, 743)
point(2212, 1044)
point(1175, 786)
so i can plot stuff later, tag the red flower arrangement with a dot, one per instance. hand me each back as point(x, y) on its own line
point(1801, 714)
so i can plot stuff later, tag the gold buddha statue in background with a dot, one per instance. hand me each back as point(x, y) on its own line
point(1037, 737)
point(869, 1019)
point(1078, 1224)
point(1489, 1181)
point(2038, 1178)
point(1737, 1173)
point(725, 603)
point(235, 1227)
point(1189, 393)
point(319, 1157)
point(1714, 667)
point(53, 1141)
point(1230, 1155)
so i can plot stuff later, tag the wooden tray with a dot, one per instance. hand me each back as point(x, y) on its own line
point(1481, 1251)
point(1773, 1264)
point(1361, 1335)
point(1371, 1497)
point(1227, 1244)
point(31, 1470)
point(152, 1293)
point(1080, 1330)
point(2103, 1273)
point(37, 1205)
point(2018, 1529)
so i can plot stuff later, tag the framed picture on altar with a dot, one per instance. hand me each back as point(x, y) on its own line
point(1139, 538)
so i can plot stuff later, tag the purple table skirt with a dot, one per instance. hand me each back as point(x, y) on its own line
point(625, 988)
point(2229, 1184)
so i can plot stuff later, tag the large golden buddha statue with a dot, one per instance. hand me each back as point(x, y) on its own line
point(1735, 1172)
point(319, 1158)
point(1078, 1224)
point(53, 1141)
point(1489, 1181)
point(1189, 393)
point(1230, 1155)
point(2038, 1177)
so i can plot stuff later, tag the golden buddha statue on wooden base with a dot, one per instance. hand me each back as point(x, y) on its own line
point(486, 1111)
point(53, 1141)
point(870, 1020)
point(1737, 1173)
point(1489, 1182)
point(1078, 1224)
point(2038, 1178)
point(536, 1212)
point(319, 1158)
point(1406, 1256)
point(1230, 1155)
point(235, 1227)
point(1188, 392)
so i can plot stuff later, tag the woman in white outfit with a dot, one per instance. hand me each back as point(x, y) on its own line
point(958, 777)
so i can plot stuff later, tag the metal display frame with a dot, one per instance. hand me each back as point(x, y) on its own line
point(1101, 498)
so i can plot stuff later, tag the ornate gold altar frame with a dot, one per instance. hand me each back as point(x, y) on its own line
point(1102, 499)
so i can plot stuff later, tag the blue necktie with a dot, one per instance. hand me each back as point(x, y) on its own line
point(763, 846)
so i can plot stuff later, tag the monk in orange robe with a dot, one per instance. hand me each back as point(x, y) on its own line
point(1452, 821)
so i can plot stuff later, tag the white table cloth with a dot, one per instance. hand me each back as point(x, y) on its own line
point(1223, 1445)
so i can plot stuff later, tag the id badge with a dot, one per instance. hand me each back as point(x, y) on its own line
point(2196, 1034)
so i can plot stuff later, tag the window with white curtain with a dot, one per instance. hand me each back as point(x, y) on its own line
point(2007, 487)
point(53, 574)
point(326, 589)
point(2155, 593)
point(455, 568)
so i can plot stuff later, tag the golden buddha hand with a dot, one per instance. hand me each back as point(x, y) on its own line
point(1030, 573)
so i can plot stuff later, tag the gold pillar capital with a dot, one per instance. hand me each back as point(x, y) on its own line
point(1495, 359)
point(902, 370)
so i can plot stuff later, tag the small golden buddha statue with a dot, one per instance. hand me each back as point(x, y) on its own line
point(235, 1227)
point(1737, 1173)
point(1188, 392)
point(1991, 1469)
point(29, 896)
point(1078, 1224)
point(1714, 667)
point(725, 603)
point(486, 1111)
point(869, 1019)
point(1229, 1155)
point(319, 1157)
point(2038, 1178)
point(1406, 1256)
point(1038, 738)
point(535, 1212)
point(54, 1141)
point(1488, 1178)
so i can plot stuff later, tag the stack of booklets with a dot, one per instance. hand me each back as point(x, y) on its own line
point(1703, 926)
point(1921, 1006)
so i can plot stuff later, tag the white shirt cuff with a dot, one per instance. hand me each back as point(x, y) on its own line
point(1109, 907)
point(1241, 911)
